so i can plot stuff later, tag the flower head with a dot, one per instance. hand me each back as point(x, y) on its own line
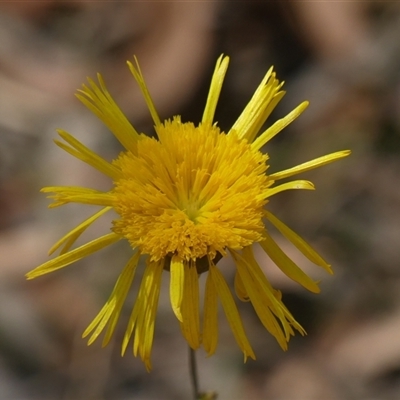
point(184, 200)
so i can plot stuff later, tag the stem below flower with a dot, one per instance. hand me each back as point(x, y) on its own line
point(195, 382)
point(193, 373)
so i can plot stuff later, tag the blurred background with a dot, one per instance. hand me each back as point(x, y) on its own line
point(344, 57)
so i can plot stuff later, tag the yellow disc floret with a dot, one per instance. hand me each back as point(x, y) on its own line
point(195, 192)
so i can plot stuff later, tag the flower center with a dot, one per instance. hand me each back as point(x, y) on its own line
point(194, 192)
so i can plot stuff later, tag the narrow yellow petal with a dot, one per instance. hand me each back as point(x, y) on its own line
point(146, 310)
point(132, 320)
point(88, 156)
point(282, 123)
point(144, 297)
point(276, 98)
point(69, 190)
point(240, 289)
point(210, 317)
point(112, 309)
point(147, 332)
point(74, 255)
point(100, 322)
point(120, 293)
point(300, 184)
point(177, 279)
point(69, 239)
point(98, 319)
point(259, 107)
point(262, 299)
point(279, 309)
point(298, 241)
point(286, 265)
point(137, 73)
point(138, 338)
point(215, 89)
point(190, 324)
point(307, 166)
point(74, 194)
point(231, 312)
point(100, 102)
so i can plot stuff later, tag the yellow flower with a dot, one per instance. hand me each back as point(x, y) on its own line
point(184, 201)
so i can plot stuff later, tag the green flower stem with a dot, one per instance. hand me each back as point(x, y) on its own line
point(193, 374)
point(195, 381)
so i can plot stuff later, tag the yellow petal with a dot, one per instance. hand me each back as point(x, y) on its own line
point(259, 107)
point(286, 265)
point(74, 194)
point(147, 329)
point(190, 324)
point(231, 312)
point(137, 73)
point(69, 190)
point(177, 279)
point(282, 123)
point(120, 293)
point(298, 241)
point(262, 299)
point(88, 156)
point(145, 295)
point(279, 309)
point(210, 317)
point(132, 319)
point(74, 255)
point(70, 238)
point(137, 317)
point(112, 309)
point(240, 289)
point(300, 184)
point(276, 98)
point(307, 166)
point(215, 89)
point(100, 321)
point(100, 102)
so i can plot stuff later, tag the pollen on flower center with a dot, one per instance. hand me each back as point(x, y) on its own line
point(194, 192)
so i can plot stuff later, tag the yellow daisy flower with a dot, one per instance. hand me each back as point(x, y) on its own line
point(185, 200)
